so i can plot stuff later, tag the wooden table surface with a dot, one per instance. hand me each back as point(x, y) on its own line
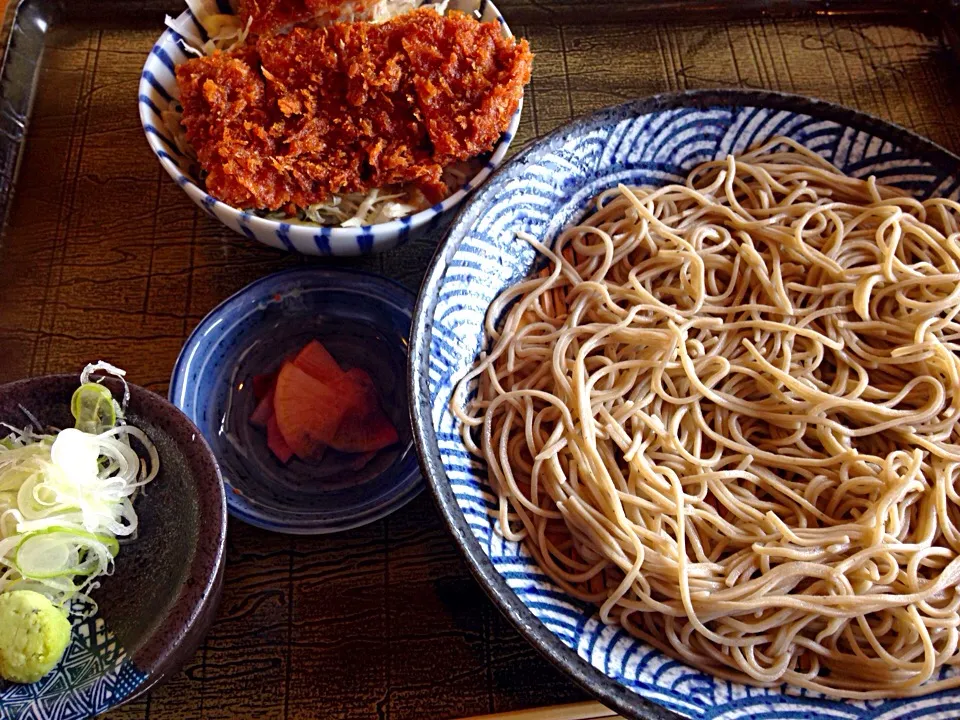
point(105, 257)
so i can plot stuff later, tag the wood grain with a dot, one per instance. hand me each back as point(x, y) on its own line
point(105, 257)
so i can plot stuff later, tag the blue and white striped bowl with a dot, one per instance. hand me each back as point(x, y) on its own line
point(545, 188)
point(158, 87)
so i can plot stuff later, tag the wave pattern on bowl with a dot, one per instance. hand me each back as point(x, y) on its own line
point(158, 88)
point(547, 191)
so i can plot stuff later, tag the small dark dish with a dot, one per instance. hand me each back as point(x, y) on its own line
point(161, 600)
point(364, 321)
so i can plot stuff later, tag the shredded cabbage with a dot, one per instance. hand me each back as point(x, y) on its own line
point(227, 32)
point(66, 498)
point(356, 209)
point(224, 32)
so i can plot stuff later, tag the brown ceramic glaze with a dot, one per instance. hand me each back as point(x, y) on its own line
point(162, 597)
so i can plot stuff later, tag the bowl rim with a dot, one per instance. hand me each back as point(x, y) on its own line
point(411, 483)
point(158, 655)
point(612, 693)
point(340, 240)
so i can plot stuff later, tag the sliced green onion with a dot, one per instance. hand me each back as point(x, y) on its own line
point(64, 552)
point(66, 498)
point(92, 408)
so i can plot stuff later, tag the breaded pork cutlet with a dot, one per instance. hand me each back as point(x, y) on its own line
point(350, 107)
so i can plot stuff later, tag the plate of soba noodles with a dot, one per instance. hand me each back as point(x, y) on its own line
point(688, 386)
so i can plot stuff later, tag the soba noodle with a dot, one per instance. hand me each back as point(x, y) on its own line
point(726, 413)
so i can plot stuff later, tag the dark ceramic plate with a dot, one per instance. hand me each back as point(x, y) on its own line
point(162, 597)
point(544, 188)
point(364, 321)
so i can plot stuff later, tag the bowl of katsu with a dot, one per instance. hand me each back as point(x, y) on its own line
point(332, 128)
point(112, 536)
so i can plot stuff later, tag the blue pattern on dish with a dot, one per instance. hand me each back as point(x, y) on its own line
point(547, 191)
point(364, 320)
point(93, 676)
point(158, 88)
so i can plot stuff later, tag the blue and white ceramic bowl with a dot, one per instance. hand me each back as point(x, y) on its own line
point(158, 89)
point(364, 321)
point(546, 187)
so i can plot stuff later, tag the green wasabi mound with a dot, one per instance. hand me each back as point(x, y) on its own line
point(34, 634)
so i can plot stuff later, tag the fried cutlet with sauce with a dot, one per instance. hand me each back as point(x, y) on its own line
point(350, 107)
